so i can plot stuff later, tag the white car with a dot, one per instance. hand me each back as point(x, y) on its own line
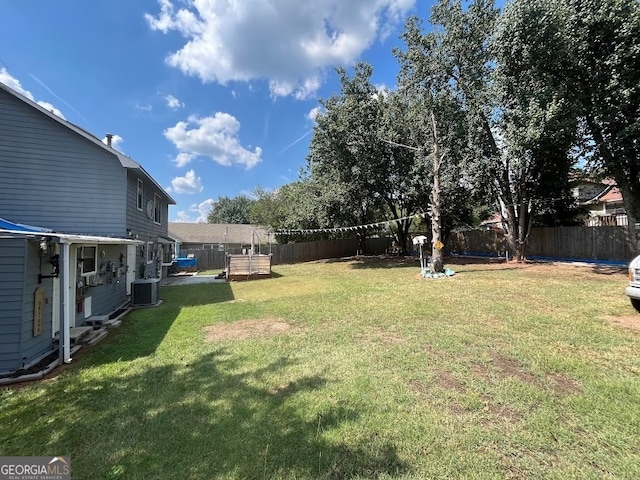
point(633, 290)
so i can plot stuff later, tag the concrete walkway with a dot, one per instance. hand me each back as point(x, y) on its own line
point(172, 280)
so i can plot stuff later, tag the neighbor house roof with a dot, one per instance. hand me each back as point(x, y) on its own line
point(125, 161)
point(209, 233)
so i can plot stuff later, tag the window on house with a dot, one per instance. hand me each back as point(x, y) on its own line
point(156, 208)
point(140, 197)
point(149, 252)
point(88, 259)
point(207, 246)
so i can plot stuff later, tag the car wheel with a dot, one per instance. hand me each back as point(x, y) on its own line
point(636, 304)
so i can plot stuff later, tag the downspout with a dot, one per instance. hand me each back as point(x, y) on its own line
point(65, 322)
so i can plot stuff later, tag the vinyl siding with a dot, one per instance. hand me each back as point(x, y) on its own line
point(33, 347)
point(12, 272)
point(52, 177)
point(112, 291)
point(142, 227)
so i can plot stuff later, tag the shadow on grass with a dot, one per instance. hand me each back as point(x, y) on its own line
point(413, 261)
point(378, 261)
point(208, 419)
point(197, 293)
point(144, 329)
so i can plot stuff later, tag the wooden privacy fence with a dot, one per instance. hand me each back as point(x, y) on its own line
point(586, 243)
point(294, 252)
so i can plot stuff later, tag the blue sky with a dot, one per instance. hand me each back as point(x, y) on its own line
point(212, 97)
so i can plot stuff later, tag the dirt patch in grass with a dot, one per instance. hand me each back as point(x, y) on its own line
point(243, 329)
point(447, 381)
point(508, 367)
point(511, 368)
point(631, 322)
point(500, 411)
point(418, 387)
point(385, 336)
point(563, 385)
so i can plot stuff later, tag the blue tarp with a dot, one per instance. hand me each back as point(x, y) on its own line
point(184, 262)
point(20, 227)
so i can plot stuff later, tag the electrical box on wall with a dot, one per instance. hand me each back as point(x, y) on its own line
point(87, 307)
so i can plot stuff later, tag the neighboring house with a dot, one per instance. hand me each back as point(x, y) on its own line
point(603, 199)
point(231, 238)
point(101, 222)
point(495, 222)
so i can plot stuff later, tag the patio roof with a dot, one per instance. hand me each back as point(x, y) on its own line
point(17, 229)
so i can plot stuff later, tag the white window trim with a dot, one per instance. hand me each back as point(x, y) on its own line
point(156, 209)
point(140, 196)
point(149, 253)
point(95, 260)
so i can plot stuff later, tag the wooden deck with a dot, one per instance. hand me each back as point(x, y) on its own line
point(248, 267)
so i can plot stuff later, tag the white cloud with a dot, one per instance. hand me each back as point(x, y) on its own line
point(143, 107)
point(173, 103)
point(287, 42)
point(183, 159)
point(197, 212)
point(116, 141)
point(203, 210)
point(13, 83)
point(313, 113)
point(215, 137)
point(183, 217)
point(190, 183)
point(50, 108)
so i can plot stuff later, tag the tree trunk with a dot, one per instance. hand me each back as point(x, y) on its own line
point(362, 243)
point(630, 191)
point(437, 263)
point(402, 233)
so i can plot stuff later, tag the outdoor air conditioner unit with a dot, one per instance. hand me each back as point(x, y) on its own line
point(145, 292)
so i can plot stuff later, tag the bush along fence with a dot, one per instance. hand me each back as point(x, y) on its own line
point(293, 252)
point(607, 243)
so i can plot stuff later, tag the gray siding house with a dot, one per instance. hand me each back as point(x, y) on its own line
point(103, 222)
point(232, 238)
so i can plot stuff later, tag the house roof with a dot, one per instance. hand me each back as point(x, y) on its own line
point(218, 233)
point(125, 161)
point(612, 195)
point(609, 194)
point(18, 229)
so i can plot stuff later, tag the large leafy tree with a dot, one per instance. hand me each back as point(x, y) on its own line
point(436, 127)
point(300, 205)
point(512, 124)
point(230, 210)
point(537, 119)
point(596, 63)
point(367, 177)
point(346, 154)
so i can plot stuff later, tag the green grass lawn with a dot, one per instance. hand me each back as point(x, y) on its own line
point(355, 368)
